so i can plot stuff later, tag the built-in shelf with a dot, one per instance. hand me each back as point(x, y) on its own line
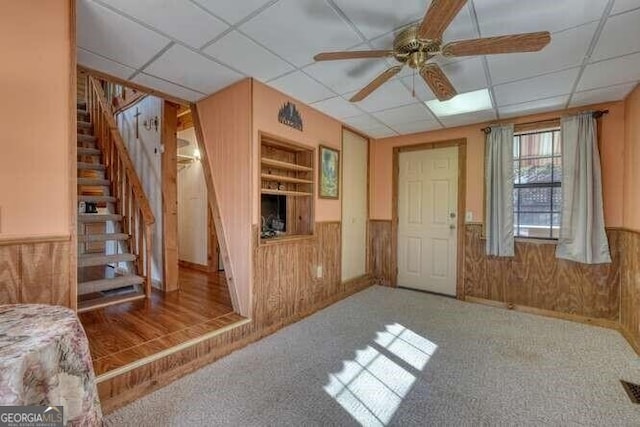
point(285, 165)
point(287, 186)
point(281, 178)
point(286, 193)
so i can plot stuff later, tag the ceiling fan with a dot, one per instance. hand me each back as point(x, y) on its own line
point(417, 44)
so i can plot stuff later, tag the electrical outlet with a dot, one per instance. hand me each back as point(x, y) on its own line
point(468, 217)
point(319, 272)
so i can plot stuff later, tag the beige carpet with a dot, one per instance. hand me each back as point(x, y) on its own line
point(398, 357)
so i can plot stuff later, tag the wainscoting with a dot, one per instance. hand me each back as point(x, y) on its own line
point(285, 290)
point(36, 271)
point(535, 281)
point(535, 278)
point(380, 253)
point(630, 287)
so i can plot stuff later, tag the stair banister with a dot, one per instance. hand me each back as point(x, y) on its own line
point(131, 198)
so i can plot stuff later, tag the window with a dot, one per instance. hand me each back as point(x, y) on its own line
point(537, 192)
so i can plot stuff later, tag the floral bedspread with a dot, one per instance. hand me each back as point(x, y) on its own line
point(45, 360)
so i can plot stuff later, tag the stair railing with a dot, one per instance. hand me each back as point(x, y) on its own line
point(132, 202)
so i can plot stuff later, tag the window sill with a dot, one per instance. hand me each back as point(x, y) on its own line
point(530, 240)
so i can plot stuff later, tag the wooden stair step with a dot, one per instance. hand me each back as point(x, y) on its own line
point(87, 218)
point(91, 166)
point(82, 137)
point(82, 115)
point(94, 182)
point(83, 151)
point(84, 125)
point(102, 237)
point(89, 260)
point(97, 199)
point(93, 286)
point(81, 105)
point(97, 303)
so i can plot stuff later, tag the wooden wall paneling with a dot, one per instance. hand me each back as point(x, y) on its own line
point(630, 287)
point(380, 251)
point(535, 278)
point(10, 274)
point(170, 196)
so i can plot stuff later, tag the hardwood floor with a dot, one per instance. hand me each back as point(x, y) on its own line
point(123, 334)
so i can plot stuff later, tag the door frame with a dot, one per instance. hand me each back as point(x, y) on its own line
point(462, 190)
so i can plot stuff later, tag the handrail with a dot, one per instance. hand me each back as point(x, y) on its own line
point(132, 201)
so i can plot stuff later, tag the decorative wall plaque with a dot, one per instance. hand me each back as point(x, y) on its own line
point(289, 115)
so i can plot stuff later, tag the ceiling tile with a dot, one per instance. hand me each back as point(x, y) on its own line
point(106, 33)
point(468, 119)
point(299, 29)
point(300, 86)
point(415, 127)
point(179, 19)
point(544, 86)
point(363, 121)
point(187, 68)
point(605, 94)
point(499, 17)
point(91, 60)
point(613, 71)
point(467, 75)
point(567, 49)
point(247, 56)
point(380, 132)
point(620, 36)
point(337, 107)
point(389, 95)
point(624, 5)
point(233, 11)
point(405, 114)
point(374, 18)
point(347, 75)
point(167, 87)
point(533, 107)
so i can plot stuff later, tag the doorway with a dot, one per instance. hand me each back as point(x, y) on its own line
point(429, 194)
point(355, 151)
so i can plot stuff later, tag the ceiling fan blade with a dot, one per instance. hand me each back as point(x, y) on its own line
point(438, 82)
point(353, 54)
point(376, 83)
point(438, 17)
point(526, 42)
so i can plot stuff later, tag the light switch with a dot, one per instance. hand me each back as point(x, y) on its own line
point(468, 217)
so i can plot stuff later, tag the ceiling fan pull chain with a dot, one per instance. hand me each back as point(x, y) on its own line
point(413, 84)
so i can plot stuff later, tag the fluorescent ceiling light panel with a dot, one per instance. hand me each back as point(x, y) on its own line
point(469, 102)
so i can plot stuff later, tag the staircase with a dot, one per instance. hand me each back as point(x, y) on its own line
point(114, 243)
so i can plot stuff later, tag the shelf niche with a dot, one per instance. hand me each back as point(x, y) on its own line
point(287, 188)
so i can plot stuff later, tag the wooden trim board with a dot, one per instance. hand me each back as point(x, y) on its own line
point(170, 196)
point(73, 159)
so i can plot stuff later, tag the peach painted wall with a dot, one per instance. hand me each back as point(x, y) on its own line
point(318, 129)
point(632, 161)
point(612, 144)
point(226, 124)
point(35, 42)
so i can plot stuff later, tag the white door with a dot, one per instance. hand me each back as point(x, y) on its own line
point(427, 218)
point(354, 205)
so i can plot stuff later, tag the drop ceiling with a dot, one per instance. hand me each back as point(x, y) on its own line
point(192, 48)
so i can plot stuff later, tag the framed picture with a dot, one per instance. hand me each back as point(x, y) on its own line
point(329, 173)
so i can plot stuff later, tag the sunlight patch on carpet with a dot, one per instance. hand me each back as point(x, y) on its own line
point(372, 385)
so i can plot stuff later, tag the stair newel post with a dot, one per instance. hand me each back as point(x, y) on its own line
point(148, 255)
point(139, 248)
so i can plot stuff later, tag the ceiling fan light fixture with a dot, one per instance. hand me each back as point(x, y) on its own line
point(468, 102)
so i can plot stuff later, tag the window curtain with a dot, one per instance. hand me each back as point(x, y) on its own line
point(582, 235)
point(499, 191)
